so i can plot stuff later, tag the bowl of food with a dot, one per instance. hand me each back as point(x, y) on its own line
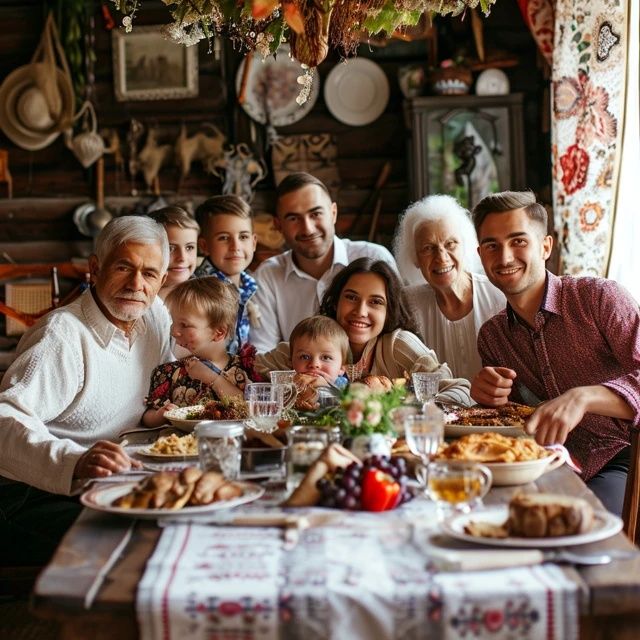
point(512, 473)
point(512, 461)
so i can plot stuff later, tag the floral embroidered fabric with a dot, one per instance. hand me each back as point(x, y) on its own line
point(170, 382)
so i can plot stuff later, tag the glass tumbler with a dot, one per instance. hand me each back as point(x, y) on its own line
point(266, 402)
point(425, 385)
point(219, 446)
point(306, 444)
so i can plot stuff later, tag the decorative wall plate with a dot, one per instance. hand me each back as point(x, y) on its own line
point(356, 92)
point(272, 89)
point(492, 82)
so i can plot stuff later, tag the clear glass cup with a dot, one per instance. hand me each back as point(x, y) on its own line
point(353, 372)
point(219, 446)
point(285, 377)
point(266, 402)
point(282, 377)
point(400, 414)
point(425, 385)
point(456, 485)
point(424, 433)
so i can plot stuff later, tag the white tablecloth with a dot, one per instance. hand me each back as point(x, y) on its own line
point(367, 577)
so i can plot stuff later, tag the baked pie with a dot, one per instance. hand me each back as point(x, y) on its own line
point(492, 447)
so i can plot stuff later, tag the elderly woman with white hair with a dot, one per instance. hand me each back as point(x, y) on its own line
point(436, 242)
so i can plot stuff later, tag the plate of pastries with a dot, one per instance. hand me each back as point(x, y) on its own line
point(171, 494)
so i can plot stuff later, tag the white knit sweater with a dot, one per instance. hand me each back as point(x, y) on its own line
point(77, 379)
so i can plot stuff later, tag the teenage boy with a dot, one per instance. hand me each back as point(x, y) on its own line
point(228, 243)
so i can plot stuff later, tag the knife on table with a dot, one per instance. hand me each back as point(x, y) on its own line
point(468, 560)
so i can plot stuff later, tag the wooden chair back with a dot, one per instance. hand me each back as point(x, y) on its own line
point(631, 508)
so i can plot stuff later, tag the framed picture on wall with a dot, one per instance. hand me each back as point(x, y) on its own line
point(148, 67)
point(465, 146)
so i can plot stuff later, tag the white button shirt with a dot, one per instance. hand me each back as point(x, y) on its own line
point(77, 379)
point(287, 295)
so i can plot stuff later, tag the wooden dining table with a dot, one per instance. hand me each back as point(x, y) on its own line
point(609, 595)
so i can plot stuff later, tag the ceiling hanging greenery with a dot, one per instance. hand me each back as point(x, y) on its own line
point(310, 26)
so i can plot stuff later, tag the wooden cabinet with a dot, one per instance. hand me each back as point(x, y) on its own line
point(466, 146)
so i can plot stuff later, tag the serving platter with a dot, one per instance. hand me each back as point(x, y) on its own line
point(605, 525)
point(101, 498)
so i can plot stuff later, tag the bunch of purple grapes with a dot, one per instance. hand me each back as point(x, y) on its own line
point(343, 488)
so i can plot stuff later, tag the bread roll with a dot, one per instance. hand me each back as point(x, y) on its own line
point(206, 487)
point(190, 475)
point(227, 491)
point(541, 515)
point(378, 383)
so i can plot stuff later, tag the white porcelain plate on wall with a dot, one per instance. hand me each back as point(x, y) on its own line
point(356, 92)
point(492, 82)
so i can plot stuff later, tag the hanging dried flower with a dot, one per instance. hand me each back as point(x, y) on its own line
point(311, 26)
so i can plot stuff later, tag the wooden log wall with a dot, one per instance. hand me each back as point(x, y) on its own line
point(50, 183)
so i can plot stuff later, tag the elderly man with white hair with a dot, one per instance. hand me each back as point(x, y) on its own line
point(80, 378)
point(436, 242)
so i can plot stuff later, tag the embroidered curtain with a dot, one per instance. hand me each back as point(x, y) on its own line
point(625, 256)
point(589, 92)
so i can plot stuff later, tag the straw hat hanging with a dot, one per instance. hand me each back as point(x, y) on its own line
point(37, 100)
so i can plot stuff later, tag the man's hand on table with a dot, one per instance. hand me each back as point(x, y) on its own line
point(104, 459)
point(553, 420)
point(492, 386)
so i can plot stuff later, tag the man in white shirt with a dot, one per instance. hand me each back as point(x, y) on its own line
point(291, 285)
point(80, 378)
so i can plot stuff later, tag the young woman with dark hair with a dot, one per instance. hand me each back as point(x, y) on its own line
point(366, 300)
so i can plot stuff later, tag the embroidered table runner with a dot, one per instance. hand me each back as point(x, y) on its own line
point(365, 577)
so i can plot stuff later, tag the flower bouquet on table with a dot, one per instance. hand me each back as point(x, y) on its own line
point(362, 412)
point(364, 408)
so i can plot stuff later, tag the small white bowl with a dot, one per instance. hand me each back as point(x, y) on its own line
point(511, 473)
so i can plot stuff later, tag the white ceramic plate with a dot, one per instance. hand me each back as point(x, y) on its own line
point(273, 84)
point(166, 457)
point(101, 498)
point(459, 430)
point(492, 82)
point(178, 417)
point(605, 525)
point(356, 92)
